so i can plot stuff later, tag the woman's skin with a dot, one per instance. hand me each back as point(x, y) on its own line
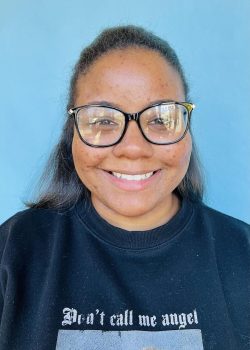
point(132, 79)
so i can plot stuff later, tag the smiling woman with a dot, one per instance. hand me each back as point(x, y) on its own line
point(115, 176)
point(121, 232)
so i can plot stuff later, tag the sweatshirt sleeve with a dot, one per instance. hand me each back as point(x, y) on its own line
point(4, 229)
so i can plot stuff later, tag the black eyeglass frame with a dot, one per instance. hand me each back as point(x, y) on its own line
point(132, 116)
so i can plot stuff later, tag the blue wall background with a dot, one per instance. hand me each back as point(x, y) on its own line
point(40, 42)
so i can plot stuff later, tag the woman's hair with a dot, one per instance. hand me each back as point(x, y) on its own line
point(60, 185)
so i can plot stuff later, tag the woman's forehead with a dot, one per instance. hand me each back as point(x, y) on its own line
point(128, 74)
point(130, 58)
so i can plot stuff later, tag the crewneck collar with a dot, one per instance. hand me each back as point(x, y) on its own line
point(133, 239)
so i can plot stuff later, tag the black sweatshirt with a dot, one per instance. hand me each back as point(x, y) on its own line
point(69, 280)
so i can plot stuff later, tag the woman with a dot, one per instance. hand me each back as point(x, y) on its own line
point(120, 240)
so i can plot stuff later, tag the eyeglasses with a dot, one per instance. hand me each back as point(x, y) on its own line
point(161, 124)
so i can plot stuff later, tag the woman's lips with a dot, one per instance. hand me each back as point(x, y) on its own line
point(129, 177)
point(130, 182)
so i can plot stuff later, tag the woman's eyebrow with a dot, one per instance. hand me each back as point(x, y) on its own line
point(112, 104)
point(160, 101)
point(104, 103)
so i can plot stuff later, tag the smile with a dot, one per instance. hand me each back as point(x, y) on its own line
point(137, 177)
point(132, 182)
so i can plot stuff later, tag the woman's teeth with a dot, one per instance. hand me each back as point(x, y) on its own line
point(132, 177)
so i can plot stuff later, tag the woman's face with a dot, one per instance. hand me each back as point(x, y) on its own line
point(132, 79)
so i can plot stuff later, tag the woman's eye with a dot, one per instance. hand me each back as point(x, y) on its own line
point(102, 122)
point(157, 121)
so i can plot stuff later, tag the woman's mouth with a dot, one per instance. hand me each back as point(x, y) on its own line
point(130, 177)
point(132, 182)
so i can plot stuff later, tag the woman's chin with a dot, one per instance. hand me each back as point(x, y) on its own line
point(135, 212)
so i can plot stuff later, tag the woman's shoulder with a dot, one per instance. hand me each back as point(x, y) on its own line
point(33, 217)
point(221, 218)
point(223, 227)
point(33, 222)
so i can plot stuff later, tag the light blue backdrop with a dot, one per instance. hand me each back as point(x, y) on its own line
point(41, 40)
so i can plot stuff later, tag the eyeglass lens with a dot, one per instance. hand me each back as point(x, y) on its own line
point(161, 124)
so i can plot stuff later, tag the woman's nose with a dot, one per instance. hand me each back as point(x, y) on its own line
point(133, 144)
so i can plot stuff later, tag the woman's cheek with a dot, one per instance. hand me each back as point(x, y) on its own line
point(178, 154)
point(88, 162)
